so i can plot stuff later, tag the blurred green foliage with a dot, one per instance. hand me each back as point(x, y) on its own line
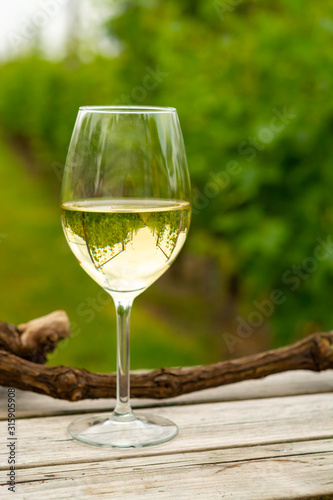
point(252, 83)
point(39, 274)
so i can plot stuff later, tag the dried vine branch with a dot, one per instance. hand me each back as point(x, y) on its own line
point(33, 340)
point(312, 353)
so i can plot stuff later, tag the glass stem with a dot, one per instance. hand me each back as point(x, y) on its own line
point(123, 408)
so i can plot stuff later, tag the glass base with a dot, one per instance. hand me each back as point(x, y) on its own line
point(129, 431)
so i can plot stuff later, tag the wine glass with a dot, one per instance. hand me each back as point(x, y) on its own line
point(126, 211)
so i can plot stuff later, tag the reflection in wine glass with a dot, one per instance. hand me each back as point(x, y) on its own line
point(126, 213)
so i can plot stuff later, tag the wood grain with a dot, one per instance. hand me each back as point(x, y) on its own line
point(281, 384)
point(257, 473)
point(271, 448)
point(44, 441)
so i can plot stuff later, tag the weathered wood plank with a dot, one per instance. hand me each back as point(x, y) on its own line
point(257, 449)
point(284, 384)
point(275, 472)
point(44, 441)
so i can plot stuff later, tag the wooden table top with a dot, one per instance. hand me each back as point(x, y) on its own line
point(269, 439)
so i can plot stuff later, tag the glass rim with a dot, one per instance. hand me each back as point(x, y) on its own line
point(128, 109)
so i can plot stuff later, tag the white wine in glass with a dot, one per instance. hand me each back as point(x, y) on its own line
point(125, 212)
point(125, 245)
